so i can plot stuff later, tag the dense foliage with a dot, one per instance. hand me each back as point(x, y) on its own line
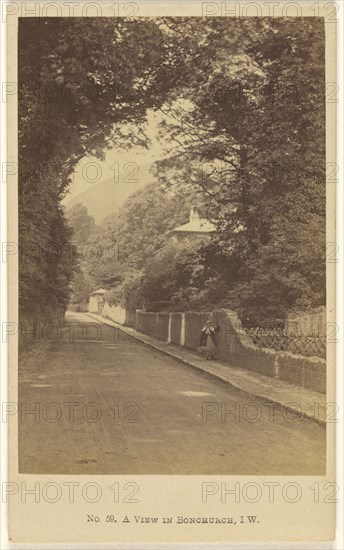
point(243, 111)
point(115, 254)
point(249, 127)
point(83, 229)
point(79, 79)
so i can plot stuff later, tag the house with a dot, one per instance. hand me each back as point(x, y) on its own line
point(96, 301)
point(197, 229)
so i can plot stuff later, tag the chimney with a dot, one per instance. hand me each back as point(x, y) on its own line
point(194, 213)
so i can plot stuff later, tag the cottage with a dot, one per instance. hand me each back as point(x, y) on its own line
point(197, 229)
point(96, 301)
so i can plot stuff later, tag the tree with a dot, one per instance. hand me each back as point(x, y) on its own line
point(82, 223)
point(128, 240)
point(83, 228)
point(245, 126)
point(249, 130)
point(164, 276)
point(84, 84)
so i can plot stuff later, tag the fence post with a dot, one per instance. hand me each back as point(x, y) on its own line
point(169, 333)
point(276, 365)
point(182, 331)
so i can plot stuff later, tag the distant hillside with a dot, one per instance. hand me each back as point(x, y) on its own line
point(106, 197)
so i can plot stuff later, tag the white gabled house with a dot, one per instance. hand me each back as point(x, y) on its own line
point(96, 301)
point(197, 229)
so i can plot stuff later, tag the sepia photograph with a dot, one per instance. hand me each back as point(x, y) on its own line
point(171, 254)
point(172, 281)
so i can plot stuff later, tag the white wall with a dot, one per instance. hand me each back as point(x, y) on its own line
point(116, 313)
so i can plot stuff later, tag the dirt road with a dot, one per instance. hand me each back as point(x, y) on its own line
point(104, 403)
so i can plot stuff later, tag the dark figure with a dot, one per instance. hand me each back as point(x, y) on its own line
point(208, 340)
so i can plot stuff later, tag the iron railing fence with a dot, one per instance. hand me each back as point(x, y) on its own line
point(278, 340)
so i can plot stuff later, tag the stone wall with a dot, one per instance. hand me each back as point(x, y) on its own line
point(119, 315)
point(176, 327)
point(309, 372)
point(153, 324)
point(162, 322)
point(194, 322)
point(183, 329)
point(234, 347)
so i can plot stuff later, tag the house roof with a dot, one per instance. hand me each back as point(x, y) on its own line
point(197, 226)
point(99, 291)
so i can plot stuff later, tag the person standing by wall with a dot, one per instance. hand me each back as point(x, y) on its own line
point(208, 340)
